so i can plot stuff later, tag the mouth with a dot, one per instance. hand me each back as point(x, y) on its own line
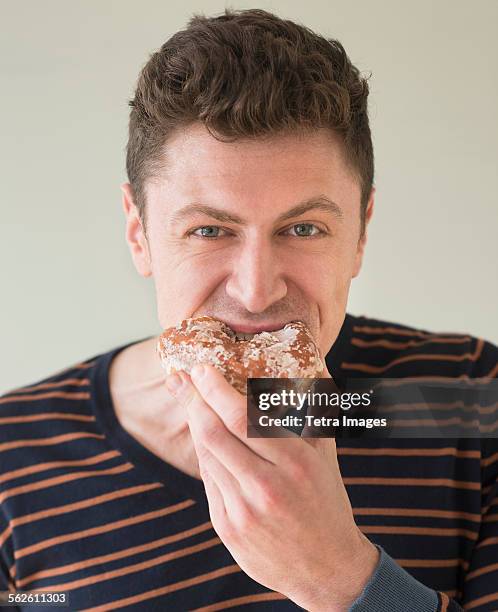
point(241, 336)
point(246, 332)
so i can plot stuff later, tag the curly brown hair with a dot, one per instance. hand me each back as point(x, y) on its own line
point(247, 74)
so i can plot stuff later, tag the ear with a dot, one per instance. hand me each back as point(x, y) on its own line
point(135, 235)
point(360, 249)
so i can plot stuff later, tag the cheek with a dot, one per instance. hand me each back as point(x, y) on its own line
point(324, 278)
point(184, 284)
point(328, 265)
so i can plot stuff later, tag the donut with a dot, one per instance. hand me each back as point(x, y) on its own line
point(289, 352)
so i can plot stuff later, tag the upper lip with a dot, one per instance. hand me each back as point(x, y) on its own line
point(255, 329)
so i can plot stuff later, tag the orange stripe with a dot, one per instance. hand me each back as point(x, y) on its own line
point(493, 502)
point(423, 512)
point(6, 533)
point(425, 563)
point(490, 518)
point(481, 601)
point(49, 441)
point(487, 542)
point(86, 503)
point(481, 571)
point(410, 452)
point(438, 422)
point(417, 482)
point(76, 382)
point(365, 329)
point(489, 460)
point(440, 406)
point(422, 380)
point(78, 366)
point(444, 601)
point(240, 601)
point(364, 367)
point(90, 563)
point(76, 535)
point(81, 395)
point(432, 531)
point(493, 372)
point(41, 467)
point(136, 567)
point(63, 479)
point(431, 423)
point(183, 584)
point(29, 418)
point(403, 345)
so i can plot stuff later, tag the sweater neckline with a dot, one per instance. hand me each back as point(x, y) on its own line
point(145, 461)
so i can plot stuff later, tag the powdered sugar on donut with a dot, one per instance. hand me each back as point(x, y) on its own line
point(286, 353)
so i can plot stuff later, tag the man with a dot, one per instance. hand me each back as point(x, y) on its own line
point(250, 192)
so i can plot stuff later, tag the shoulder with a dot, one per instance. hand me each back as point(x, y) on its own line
point(65, 397)
point(39, 419)
point(69, 383)
point(52, 406)
point(43, 410)
point(387, 348)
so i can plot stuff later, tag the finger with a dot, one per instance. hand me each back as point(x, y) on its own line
point(229, 501)
point(231, 408)
point(211, 467)
point(325, 373)
point(209, 432)
point(216, 503)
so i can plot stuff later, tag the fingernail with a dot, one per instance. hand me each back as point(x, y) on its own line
point(174, 382)
point(197, 372)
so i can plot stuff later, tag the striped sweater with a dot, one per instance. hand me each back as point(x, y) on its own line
point(86, 509)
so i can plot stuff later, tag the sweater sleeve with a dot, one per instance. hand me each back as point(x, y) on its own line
point(392, 589)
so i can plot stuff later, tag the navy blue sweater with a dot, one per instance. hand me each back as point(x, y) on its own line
point(86, 509)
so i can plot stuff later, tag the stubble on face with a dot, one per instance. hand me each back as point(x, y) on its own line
point(261, 271)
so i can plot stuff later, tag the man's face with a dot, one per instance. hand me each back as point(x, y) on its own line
point(246, 263)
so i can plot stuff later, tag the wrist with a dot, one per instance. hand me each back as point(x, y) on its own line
point(346, 584)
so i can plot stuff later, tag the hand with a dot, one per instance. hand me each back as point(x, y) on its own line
point(279, 505)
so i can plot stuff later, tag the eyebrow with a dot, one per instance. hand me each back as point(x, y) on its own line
point(320, 202)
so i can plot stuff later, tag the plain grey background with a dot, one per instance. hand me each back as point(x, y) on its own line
point(67, 70)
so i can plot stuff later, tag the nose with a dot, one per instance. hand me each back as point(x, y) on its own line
point(256, 279)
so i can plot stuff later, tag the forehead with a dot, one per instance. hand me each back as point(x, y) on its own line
point(271, 170)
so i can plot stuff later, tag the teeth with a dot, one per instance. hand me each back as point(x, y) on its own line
point(241, 336)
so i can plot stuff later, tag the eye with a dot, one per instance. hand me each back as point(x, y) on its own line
point(207, 231)
point(303, 229)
